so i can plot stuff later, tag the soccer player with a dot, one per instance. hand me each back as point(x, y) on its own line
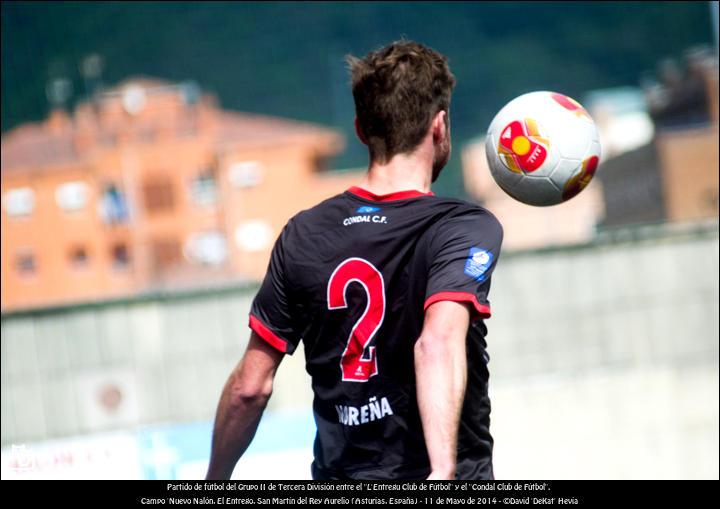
point(386, 284)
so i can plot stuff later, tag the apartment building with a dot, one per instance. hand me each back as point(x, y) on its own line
point(152, 185)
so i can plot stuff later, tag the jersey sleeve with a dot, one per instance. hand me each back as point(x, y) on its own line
point(271, 310)
point(462, 257)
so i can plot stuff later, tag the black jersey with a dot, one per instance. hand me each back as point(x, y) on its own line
point(351, 278)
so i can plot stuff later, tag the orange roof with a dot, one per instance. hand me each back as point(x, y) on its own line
point(32, 145)
point(245, 128)
point(142, 81)
point(36, 145)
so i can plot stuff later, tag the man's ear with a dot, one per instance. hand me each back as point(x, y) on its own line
point(439, 126)
point(359, 132)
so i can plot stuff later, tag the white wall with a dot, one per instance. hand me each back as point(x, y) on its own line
point(604, 361)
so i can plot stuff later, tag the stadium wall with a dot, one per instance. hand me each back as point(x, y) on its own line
point(610, 347)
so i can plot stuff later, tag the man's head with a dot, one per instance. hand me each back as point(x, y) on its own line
point(402, 94)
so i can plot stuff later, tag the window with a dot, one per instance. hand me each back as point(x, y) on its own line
point(166, 253)
point(72, 196)
point(113, 206)
point(120, 256)
point(19, 202)
point(25, 263)
point(158, 194)
point(147, 135)
point(186, 131)
point(79, 257)
point(245, 174)
point(203, 189)
point(206, 248)
point(108, 139)
point(322, 164)
point(254, 235)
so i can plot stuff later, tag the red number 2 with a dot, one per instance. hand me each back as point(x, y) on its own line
point(359, 361)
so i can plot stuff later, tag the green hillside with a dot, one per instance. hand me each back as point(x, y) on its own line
point(285, 58)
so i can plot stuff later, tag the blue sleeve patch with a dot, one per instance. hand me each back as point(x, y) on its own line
point(478, 262)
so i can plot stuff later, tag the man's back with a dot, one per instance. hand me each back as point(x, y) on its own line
point(351, 278)
point(388, 295)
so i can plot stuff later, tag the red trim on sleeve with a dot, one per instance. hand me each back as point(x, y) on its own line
point(261, 330)
point(482, 309)
point(399, 195)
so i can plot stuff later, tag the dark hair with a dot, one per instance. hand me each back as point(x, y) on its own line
point(398, 89)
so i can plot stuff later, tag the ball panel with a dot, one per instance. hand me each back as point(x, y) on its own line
point(538, 191)
point(571, 106)
point(565, 170)
point(503, 176)
point(523, 146)
point(580, 181)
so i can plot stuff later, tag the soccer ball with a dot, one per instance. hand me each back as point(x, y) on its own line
point(542, 148)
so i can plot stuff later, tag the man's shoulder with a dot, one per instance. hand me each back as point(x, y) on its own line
point(318, 215)
point(438, 210)
point(319, 210)
point(462, 211)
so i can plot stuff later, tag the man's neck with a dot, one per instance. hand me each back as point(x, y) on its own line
point(403, 172)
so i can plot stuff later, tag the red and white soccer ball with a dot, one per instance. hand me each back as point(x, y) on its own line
point(542, 148)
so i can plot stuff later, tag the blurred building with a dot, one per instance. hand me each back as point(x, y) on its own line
point(151, 185)
point(659, 161)
point(623, 124)
point(675, 176)
point(622, 119)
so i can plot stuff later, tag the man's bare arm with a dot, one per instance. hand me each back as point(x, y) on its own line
point(242, 403)
point(441, 375)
